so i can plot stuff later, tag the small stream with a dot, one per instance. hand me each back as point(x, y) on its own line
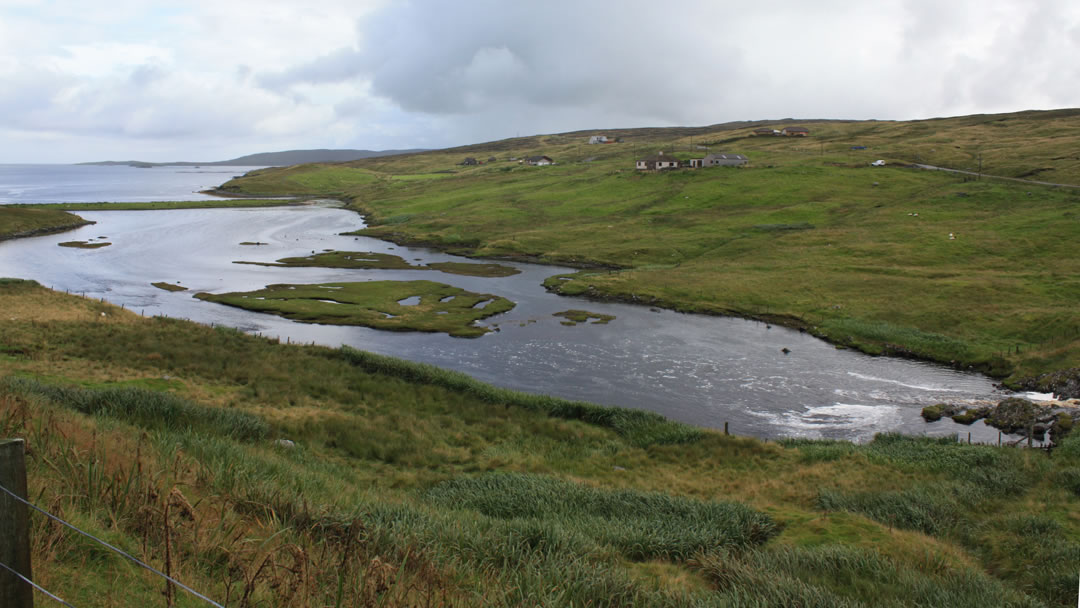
point(702, 370)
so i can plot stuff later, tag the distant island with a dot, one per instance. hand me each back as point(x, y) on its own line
point(269, 159)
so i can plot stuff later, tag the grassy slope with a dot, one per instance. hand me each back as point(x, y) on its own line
point(413, 486)
point(809, 233)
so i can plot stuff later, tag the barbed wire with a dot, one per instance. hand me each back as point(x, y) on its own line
point(114, 549)
point(35, 585)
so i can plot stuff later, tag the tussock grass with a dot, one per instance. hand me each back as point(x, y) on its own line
point(145, 408)
point(641, 525)
point(815, 577)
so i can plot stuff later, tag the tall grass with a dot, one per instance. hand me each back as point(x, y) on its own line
point(849, 577)
point(641, 525)
point(1003, 472)
point(883, 335)
point(145, 408)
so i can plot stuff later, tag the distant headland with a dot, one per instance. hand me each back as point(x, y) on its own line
point(269, 159)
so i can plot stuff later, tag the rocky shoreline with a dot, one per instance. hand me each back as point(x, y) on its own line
point(1064, 384)
point(1013, 416)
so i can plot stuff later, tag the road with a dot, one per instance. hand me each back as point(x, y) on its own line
point(1011, 179)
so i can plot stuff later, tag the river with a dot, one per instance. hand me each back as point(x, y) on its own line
point(702, 370)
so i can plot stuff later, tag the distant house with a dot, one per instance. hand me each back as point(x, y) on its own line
point(491, 160)
point(796, 131)
point(658, 162)
point(598, 139)
point(539, 161)
point(469, 161)
point(721, 159)
point(765, 131)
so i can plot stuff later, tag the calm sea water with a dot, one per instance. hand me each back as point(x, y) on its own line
point(120, 184)
point(698, 369)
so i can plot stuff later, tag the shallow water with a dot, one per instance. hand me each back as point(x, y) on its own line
point(702, 370)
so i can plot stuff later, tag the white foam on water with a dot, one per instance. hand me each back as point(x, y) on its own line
point(905, 385)
point(859, 419)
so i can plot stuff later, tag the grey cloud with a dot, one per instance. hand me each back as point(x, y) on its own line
point(341, 65)
point(445, 59)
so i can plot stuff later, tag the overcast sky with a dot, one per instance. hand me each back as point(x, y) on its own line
point(215, 79)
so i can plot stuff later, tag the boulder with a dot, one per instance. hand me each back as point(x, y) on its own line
point(933, 413)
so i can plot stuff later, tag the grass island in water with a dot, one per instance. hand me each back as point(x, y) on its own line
point(394, 305)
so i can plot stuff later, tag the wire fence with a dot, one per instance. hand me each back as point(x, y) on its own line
point(34, 585)
point(112, 548)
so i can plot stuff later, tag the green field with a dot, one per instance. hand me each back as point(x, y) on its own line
point(808, 234)
point(408, 485)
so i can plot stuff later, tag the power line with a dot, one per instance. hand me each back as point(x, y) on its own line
point(33, 584)
point(114, 549)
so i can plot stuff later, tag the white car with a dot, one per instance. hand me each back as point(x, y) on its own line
point(878, 163)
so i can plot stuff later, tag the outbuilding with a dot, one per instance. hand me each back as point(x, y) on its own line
point(724, 159)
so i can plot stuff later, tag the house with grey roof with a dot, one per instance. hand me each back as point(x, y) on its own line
point(538, 161)
point(720, 159)
point(796, 131)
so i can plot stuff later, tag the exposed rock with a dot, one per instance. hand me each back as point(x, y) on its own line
point(933, 413)
point(1060, 427)
point(1065, 384)
point(285, 443)
point(1014, 415)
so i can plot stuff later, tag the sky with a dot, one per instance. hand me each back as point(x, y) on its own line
point(206, 80)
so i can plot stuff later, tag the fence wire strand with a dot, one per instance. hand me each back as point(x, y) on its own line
point(114, 549)
point(35, 585)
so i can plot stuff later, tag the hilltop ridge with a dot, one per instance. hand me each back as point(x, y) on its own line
point(269, 159)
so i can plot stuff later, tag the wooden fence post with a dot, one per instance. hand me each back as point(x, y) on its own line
point(14, 527)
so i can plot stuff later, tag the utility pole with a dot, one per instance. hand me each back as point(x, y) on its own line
point(14, 527)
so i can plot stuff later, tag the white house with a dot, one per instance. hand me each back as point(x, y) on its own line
point(658, 162)
point(598, 139)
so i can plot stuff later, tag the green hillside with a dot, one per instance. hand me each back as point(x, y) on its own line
point(947, 267)
point(269, 474)
point(265, 474)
